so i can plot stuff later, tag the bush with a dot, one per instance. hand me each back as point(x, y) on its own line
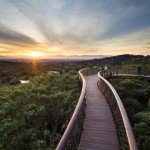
point(133, 104)
point(143, 117)
point(146, 143)
point(130, 83)
point(142, 133)
point(135, 94)
point(35, 115)
point(14, 81)
point(132, 107)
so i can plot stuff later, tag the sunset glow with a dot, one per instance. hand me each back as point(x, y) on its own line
point(36, 54)
point(62, 27)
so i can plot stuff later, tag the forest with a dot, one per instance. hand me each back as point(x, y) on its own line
point(35, 115)
point(135, 95)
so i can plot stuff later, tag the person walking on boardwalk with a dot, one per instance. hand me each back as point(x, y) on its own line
point(139, 70)
point(106, 71)
point(105, 68)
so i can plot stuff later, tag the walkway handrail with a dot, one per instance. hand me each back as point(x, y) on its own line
point(117, 108)
point(66, 136)
point(128, 73)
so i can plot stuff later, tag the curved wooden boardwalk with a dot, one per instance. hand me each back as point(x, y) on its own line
point(99, 132)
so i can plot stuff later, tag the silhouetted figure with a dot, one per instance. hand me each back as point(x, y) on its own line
point(106, 71)
point(105, 68)
point(102, 70)
point(139, 70)
point(110, 74)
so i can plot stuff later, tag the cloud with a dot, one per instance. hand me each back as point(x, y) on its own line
point(67, 26)
point(15, 38)
point(77, 32)
point(147, 47)
point(83, 20)
point(4, 51)
point(57, 4)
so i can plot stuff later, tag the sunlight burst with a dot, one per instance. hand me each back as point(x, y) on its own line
point(36, 54)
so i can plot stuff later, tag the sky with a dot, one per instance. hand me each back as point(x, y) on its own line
point(52, 28)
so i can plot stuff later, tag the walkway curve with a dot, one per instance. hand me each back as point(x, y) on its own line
point(99, 131)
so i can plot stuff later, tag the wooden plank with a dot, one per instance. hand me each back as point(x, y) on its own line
point(99, 131)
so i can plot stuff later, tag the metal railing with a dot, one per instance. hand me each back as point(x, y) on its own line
point(71, 137)
point(125, 73)
point(123, 126)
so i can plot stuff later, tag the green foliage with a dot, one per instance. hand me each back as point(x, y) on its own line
point(143, 117)
point(133, 103)
point(142, 133)
point(135, 95)
point(133, 88)
point(130, 83)
point(146, 142)
point(38, 145)
point(14, 81)
point(34, 115)
point(142, 129)
point(132, 107)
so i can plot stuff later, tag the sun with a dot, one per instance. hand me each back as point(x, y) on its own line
point(36, 54)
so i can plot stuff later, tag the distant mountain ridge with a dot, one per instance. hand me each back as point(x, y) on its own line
point(61, 57)
point(3, 57)
point(76, 58)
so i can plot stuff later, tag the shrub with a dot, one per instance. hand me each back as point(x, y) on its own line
point(142, 133)
point(132, 107)
point(135, 94)
point(35, 115)
point(14, 81)
point(130, 83)
point(133, 104)
point(143, 117)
